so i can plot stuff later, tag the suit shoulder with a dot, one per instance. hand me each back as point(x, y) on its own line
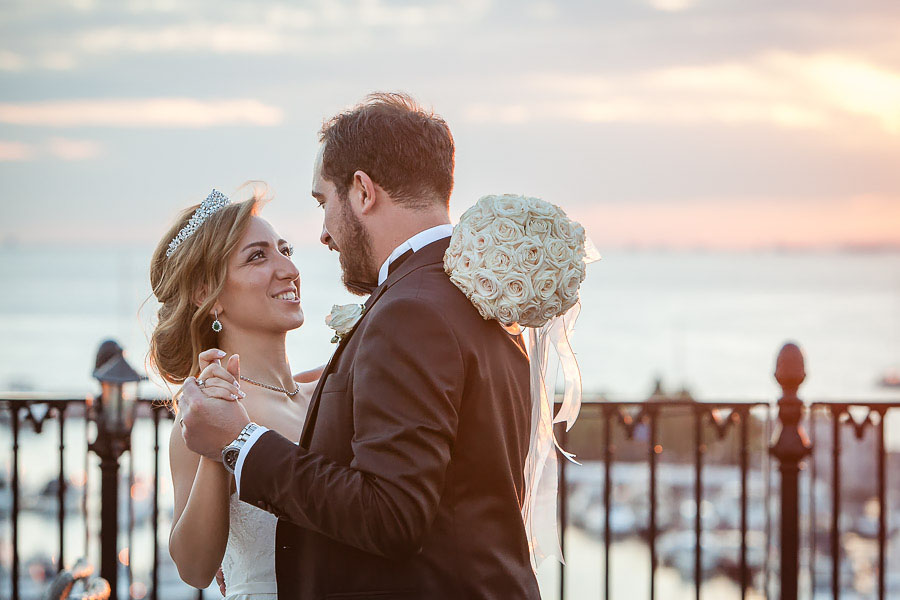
point(431, 285)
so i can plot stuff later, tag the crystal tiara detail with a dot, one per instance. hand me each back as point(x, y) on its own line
point(215, 202)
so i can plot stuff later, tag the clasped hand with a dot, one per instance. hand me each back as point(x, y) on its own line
point(212, 416)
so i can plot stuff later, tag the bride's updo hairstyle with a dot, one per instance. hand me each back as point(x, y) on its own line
point(194, 273)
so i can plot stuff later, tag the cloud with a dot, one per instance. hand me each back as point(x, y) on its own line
point(235, 28)
point(15, 151)
point(157, 112)
point(62, 148)
point(69, 149)
point(10, 61)
point(672, 5)
point(819, 91)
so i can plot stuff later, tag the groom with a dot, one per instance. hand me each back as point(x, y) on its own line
point(408, 478)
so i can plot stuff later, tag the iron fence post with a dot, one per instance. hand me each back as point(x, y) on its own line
point(790, 448)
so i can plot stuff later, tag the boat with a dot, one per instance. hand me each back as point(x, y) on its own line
point(891, 379)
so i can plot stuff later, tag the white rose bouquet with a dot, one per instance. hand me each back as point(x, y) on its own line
point(518, 259)
point(522, 260)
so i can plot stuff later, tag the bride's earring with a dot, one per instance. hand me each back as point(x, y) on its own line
point(217, 326)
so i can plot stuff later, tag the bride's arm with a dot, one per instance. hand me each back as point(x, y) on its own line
point(200, 525)
point(310, 375)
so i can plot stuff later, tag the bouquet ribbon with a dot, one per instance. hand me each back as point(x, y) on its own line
point(549, 348)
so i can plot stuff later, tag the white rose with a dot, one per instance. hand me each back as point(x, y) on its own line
point(570, 283)
point(450, 262)
point(485, 308)
point(481, 241)
point(538, 227)
point(531, 315)
point(505, 231)
point(456, 240)
point(474, 214)
point(486, 284)
point(578, 232)
point(558, 253)
point(498, 260)
point(517, 289)
point(562, 227)
point(541, 208)
point(510, 207)
point(463, 281)
point(468, 262)
point(343, 318)
point(506, 312)
point(551, 308)
point(545, 285)
point(567, 304)
point(530, 255)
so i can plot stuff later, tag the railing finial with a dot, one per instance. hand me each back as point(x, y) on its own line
point(790, 369)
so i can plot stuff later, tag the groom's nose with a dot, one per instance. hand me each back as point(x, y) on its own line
point(326, 239)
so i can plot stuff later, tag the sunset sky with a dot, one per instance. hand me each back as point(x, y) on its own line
point(722, 124)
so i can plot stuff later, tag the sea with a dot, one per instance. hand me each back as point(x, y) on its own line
point(709, 322)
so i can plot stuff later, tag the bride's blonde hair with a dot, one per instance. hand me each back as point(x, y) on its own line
point(187, 284)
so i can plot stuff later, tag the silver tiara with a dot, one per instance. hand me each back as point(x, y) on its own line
point(215, 202)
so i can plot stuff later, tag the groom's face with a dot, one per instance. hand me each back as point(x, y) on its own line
point(344, 232)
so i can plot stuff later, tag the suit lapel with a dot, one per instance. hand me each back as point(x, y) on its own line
point(430, 254)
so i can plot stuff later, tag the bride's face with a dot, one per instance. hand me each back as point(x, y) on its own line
point(262, 288)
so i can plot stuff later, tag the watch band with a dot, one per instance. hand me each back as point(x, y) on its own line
point(245, 434)
point(231, 452)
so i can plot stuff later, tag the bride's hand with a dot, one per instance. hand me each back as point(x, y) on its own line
point(218, 381)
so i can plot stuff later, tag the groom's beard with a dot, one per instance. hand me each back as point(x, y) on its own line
point(359, 273)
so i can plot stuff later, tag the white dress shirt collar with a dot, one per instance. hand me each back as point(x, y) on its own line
point(420, 240)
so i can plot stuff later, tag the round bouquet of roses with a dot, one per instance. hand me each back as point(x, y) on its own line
point(518, 259)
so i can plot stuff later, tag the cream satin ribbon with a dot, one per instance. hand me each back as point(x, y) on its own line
point(549, 348)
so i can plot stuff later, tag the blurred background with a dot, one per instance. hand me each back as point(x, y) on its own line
point(735, 163)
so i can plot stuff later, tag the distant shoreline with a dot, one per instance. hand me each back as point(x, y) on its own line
point(8, 243)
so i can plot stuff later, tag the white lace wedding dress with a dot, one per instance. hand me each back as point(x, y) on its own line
point(249, 561)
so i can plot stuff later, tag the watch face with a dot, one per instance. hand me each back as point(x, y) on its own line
point(229, 457)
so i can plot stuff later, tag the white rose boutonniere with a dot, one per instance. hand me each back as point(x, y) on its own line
point(343, 319)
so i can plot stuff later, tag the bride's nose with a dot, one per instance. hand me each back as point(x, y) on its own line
point(288, 270)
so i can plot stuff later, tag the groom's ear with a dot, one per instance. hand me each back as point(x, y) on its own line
point(365, 192)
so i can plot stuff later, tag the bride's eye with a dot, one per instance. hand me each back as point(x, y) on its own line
point(288, 250)
point(255, 255)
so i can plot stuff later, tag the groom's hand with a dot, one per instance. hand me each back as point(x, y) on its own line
point(209, 424)
point(220, 579)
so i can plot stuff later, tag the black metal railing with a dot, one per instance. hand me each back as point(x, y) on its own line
point(604, 425)
point(872, 416)
point(35, 410)
point(692, 436)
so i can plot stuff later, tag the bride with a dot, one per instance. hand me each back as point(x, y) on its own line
point(225, 279)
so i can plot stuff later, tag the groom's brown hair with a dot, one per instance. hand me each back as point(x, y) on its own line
point(405, 149)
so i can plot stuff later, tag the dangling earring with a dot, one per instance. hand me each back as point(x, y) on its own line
point(217, 326)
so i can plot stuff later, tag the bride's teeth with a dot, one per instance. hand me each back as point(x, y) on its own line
point(286, 296)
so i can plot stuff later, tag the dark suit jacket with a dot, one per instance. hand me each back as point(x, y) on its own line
point(408, 479)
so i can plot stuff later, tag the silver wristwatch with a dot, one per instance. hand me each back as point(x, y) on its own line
point(233, 450)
